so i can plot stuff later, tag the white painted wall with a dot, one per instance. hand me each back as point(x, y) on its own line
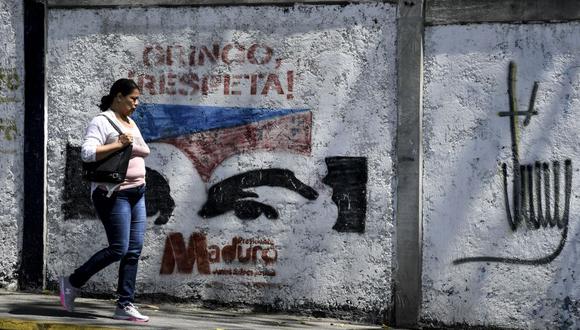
point(343, 58)
point(11, 138)
point(466, 73)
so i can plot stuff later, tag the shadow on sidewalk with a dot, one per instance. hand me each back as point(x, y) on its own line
point(47, 309)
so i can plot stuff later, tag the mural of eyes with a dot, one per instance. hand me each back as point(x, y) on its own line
point(208, 135)
point(229, 194)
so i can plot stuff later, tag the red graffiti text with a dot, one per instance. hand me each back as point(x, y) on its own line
point(188, 83)
point(185, 71)
point(188, 56)
point(178, 255)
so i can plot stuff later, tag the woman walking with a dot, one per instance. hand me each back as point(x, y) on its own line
point(120, 207)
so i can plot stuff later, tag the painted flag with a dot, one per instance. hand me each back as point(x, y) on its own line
point(208, 135)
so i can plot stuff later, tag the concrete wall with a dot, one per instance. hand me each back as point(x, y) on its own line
point(11, 138)
point(294, 104)
point(297, 105)
point(520, 276)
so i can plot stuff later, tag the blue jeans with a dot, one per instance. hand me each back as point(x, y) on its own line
point(124, 217)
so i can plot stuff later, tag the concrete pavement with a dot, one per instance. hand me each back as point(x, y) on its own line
point(43, 311)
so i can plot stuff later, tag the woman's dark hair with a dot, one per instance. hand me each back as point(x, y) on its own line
point(123, 86)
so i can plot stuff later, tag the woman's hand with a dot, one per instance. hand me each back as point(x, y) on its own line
point(107, 149)
point(125, 139)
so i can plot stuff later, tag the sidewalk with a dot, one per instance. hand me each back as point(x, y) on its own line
point(38, 311)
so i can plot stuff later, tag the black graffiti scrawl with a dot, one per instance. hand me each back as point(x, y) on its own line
point(230, 194)
point(76, 196)
point(348, 178)
point(535, 188)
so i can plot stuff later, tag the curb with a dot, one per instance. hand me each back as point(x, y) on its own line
point(19, 324)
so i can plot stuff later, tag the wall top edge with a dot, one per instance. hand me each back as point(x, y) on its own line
point(181, 3)
point(448, 12)
point(431, 23)
point(437, 12)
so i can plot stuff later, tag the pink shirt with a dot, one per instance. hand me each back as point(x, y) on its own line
point(136, 169)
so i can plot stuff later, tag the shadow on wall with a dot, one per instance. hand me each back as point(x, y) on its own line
point(77, 204)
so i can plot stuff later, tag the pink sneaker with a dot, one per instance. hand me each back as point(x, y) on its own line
point(68, 293)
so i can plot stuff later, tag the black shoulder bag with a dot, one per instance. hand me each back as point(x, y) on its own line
point(111, 169)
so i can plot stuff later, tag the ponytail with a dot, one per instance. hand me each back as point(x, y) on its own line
point(123, 86)
point(106, 102)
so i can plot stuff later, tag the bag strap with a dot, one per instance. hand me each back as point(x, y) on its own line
point(114, 125)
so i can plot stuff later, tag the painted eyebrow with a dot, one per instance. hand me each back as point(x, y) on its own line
point(231, 194)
